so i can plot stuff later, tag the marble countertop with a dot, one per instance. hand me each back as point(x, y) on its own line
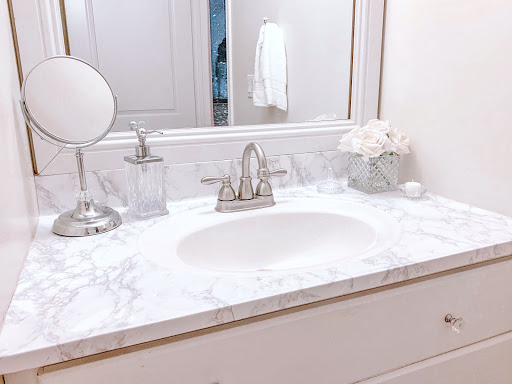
point(81, 296)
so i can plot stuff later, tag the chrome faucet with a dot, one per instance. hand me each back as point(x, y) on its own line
point(247, 199)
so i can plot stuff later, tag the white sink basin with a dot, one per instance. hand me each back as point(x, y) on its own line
point(296, 234)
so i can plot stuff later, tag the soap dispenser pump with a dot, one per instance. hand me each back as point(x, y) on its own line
point(145, 177)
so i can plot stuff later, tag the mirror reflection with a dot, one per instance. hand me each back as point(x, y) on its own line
point(180, 64)
point(68, 101)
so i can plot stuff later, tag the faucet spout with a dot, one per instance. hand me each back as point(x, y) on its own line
point(245, 191)
point(246, 158)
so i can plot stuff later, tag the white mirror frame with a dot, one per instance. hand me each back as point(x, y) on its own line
point(190, 145)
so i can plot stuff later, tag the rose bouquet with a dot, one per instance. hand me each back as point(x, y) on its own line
point(374, 158)
point(375, 139)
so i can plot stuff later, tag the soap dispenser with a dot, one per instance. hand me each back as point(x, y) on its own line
point(145, 177)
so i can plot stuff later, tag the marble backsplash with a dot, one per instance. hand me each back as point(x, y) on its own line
point(56, 193)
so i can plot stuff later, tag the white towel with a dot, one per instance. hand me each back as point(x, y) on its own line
point(270, 77)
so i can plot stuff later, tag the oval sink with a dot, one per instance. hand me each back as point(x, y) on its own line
point(296, 234)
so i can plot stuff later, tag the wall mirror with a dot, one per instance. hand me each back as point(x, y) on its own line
point(154, 55)
point(199, 70)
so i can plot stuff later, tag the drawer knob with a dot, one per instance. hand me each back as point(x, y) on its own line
point(455, 322)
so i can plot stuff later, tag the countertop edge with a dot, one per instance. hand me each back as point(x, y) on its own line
point(225, 315)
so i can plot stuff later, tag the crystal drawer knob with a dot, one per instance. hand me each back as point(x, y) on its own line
point(455, 322)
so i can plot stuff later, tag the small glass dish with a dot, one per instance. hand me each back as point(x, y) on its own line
point(330, 186)
point(409, 196)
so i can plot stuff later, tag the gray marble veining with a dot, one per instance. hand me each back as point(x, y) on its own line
point(81, 296)
point(56, 193)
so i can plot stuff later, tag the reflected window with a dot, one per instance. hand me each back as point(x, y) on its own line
point(219, 62)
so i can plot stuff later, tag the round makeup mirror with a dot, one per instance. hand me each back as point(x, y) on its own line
point(67, 102)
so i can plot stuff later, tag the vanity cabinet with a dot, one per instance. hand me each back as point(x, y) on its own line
point(344, 340)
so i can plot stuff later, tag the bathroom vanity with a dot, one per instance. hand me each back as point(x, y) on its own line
point(352, 288)
point(343, 340)
point(432, 307)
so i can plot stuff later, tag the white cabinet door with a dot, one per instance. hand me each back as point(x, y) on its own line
point(145, 50)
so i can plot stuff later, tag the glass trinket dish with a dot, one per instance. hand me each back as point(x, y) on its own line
point(330, 186)
point(409, 196)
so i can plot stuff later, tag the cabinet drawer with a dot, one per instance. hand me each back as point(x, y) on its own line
point(341, 342)
point(481, 363)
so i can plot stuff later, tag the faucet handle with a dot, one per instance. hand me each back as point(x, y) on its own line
point(264, 173)
point(278, 173)
point(226, 193)
point(263, 188)
point(226, 179)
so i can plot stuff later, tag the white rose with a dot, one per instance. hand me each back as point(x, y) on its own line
point(346, 140)
point(400, 141)
point(371, 143)
point(378, 125)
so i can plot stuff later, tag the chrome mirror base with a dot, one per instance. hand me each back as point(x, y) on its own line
point(86, 219)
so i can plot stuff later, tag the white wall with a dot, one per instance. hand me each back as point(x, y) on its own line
point(447, 81)
point(318, 38)
point(18, 206)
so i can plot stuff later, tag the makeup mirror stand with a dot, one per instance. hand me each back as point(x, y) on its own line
point(87, 218)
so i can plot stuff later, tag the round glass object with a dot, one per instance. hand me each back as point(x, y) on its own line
point(68, 101)
point(330, 186)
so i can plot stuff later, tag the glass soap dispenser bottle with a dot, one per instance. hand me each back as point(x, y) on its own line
point(145, 177)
